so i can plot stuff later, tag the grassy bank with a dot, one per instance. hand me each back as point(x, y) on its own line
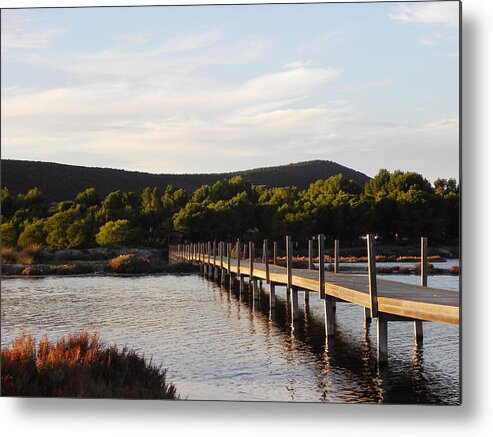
point(80, 365)
point(39, 262)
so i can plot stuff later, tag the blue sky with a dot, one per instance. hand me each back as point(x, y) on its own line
point(222, 88)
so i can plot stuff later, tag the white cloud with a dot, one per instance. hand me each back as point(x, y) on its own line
point(135, 38)
point(322, 42)
point(22, 32)
point(166, 120)
point(444, 123)
point(435, 13)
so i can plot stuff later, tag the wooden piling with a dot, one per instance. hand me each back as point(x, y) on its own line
point(266, 261)
point(238, 259)
point(382, 341)
point(214, 257)
point(321, 265)
point(372, 275)
point(255, 289)
point(418, 324)
point(289, 263)
point(424, 261)
point(251, 256)
point(310, 254)
point(274, 254)
point(228, 250)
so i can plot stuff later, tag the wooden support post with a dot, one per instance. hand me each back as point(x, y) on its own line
point(310, 254)
point(372, 276)
point(228, 250)
point(242, 284)
point(424, 261)
point(209, 259)
point(272, 295)
point(418, 324)
point(223, 270)
point(336, 256)
point(330, 316)
point(251, 256)
point(307, 297)
point(275, 253)
point(366, 316)
point(321, 265)
point(266, 260)
point(255, 289)
point(214, 257)
point(382, 341)
point(238, 258)
point(289, 264)
point(294, 304)
point(245, 251)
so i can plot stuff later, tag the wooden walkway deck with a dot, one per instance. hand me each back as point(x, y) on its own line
point(381, 299)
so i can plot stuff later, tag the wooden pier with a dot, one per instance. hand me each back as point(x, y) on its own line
point(380, 299)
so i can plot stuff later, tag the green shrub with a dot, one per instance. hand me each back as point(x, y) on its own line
point(34, 234)
point(9, 235)
point(116, 233)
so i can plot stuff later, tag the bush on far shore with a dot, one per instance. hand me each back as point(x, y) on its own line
point(80, 365)
point(131, 263)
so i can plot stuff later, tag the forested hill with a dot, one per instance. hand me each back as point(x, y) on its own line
point(61, 182)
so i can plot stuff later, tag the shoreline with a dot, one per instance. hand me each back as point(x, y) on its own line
point(109, 261)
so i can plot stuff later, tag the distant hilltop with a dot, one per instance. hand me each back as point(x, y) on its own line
point(61, 181)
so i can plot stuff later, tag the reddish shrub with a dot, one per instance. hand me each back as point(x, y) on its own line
point(80, 365)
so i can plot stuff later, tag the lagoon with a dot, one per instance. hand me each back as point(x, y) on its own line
point(217, 345)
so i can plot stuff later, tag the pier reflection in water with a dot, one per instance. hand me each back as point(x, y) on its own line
point(220, 344)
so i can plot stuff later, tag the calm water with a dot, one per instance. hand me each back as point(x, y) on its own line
point(218, 345)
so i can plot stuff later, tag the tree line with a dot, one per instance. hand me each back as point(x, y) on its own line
point(396, 206)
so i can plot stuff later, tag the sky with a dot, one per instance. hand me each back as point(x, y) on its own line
point(223, 88)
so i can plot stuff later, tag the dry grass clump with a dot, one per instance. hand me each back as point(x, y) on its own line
point(80, 365)
point(9, 255)
point(24, 258)
point(27, 256)
point(33, 249)
point(130, 263)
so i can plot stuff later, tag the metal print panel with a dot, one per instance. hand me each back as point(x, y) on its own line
point(264, 199)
